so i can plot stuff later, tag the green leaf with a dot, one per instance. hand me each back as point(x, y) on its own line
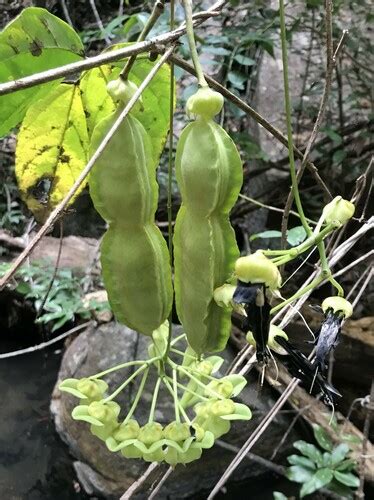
point(334, 136)
point(342, 490)
point(237, 79)
point(322, 437)
point(298, 474)
point(347, 478)
point(320, 479)
point(339, 453)
point(309, 450)
point(350, 438)
point(296, 235)
point(244, 60)
point(52, 149)
point(266, 234)
point(339, 156)
point(277, 495)
point(302, 461)
point(34, 41)
point(346, 465)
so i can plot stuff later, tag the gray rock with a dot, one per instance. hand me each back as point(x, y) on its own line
point(109, 475)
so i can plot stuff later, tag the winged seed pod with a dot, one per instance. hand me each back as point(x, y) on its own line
point(134, 254)
point(209, 175)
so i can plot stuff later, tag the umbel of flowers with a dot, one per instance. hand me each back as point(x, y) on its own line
point(203, 405)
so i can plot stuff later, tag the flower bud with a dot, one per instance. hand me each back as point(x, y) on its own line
point(105, 412)
point(222, 387)
point(150, 433)
point(176, 431)
point(130, 430)
point(93, 389)
point(339, 305)
point(223, 295)
point(203, 409)
point(204, 367)
point(121, 90)
point(205, 103)
point(257, 268)
point(198, 431)
point(338, 210)
point(223, 407)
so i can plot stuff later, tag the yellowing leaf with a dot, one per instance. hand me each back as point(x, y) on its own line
point(51, 149)
point(34, 41)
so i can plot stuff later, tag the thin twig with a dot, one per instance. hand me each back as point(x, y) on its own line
point(99, 21)
point(58, 211)
point(139, 482)
point(160, 483)
point(319, 119)
point(66, 13)
point(106, 57)
point(369, 409)
point(157, 10)
point(43, 345)
point(253, 438)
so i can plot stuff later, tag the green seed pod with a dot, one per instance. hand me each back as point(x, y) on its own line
point(339, 305)
point(134, 254)
point(209, 175)
point(150, 433)
point(338, 210)
point(176, 431)
point(257, 268)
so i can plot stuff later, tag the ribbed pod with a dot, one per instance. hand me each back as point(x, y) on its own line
point(209, 175)
point(134, 254)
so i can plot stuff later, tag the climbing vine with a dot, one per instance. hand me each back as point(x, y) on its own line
point(108, 126)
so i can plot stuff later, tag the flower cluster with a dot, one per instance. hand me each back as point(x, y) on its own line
point(203, 405)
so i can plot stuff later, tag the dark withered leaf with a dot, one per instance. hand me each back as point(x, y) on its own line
point(328, 339)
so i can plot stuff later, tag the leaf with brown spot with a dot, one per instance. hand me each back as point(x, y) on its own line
point(34, 41)
point(51, 149)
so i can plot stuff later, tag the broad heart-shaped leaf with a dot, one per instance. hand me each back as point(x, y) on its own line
point(154, 115)
point(316, 482)
point(34, 41)
point(322, 437)
point(51, 149)
point(347, 478)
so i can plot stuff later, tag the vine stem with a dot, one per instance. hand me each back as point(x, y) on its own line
point(299, 294)
point(125, 383)
point(295, 187)
point(124, 365)
point(187, 5)
point(169, 205)
point(58, 211)
point(138, 396)
point(154, 401)
point(292, 253)
point(157, 10)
